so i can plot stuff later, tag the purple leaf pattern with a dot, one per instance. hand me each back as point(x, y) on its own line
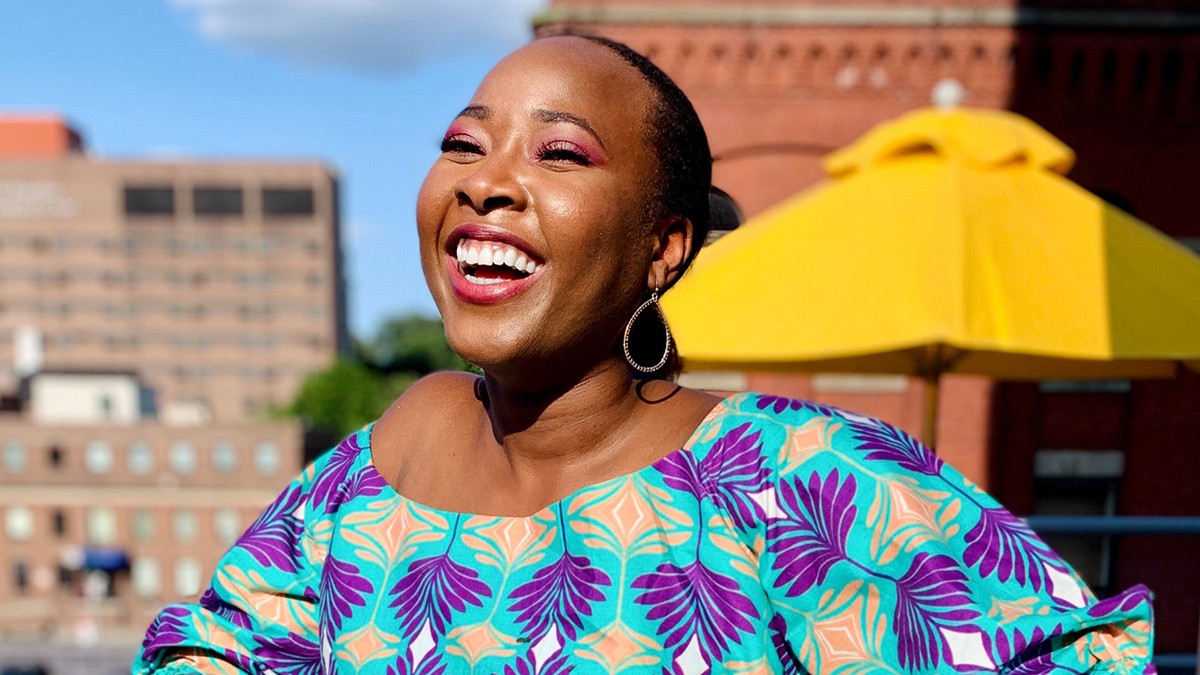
point(777, 404)
point(884, 442)
point(523, 666)
point(168, 628)
point(238, 659)
point(754, 547)
point(365, 482)
point(696, 600)
point(1024, 654)
point(1121, 603)
point(212, 602)
point(781, 405)
point(343, 588)
point(273, 540)
point(292, 654)
point(933, 592)
point(1001, 545)
point(729, 474)
point(557, 664)
point(787, 657)
point(561, 593)
point(329, 489)
point(434, 589)
point(812, 539)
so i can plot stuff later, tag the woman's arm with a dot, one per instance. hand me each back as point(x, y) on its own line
point(880, 556)
point(261, 610)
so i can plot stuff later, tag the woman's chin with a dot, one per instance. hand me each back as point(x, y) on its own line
point(492, 348)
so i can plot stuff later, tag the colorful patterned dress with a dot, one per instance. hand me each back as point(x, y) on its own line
point(785, 537)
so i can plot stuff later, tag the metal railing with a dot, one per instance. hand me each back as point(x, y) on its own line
point(1106, 526)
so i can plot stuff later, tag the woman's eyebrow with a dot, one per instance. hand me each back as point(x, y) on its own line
point(552, 116)
point(479, 112)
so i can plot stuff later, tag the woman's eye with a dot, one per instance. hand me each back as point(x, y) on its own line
point(460, 145)
point(560, 152)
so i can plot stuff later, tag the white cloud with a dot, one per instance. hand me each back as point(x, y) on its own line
point(381, 36)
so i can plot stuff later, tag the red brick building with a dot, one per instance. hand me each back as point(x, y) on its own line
point(779, 83)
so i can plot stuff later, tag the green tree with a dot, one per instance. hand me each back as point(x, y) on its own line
point(346, 395)
point(356, 389)
point(411, 344)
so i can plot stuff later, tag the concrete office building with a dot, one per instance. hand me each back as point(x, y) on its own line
point(152, 313)
point(219, 283)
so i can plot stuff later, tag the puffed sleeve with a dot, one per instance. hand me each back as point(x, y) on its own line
point(876, 555)
point(261, 610)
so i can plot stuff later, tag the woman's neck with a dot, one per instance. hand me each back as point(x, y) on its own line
point(586, 409)
point(586, 420)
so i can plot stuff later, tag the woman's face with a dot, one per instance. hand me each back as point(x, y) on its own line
point(536, 239)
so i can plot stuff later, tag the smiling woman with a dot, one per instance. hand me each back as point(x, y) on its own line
point(567, 512)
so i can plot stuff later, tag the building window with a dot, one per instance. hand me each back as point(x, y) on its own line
point(227, 526)
point(15, 456)
point(143, 525)
point(184, 526)
point(266, 458)
point(283, 202)
point(18, 523)
point(1080, 482)
point(98, 456)
point(101, 526)
point(55, 456)
point(140, 458)
point(183, 458)
point(217, 201)
point(187, 576)
point(147, 578)
point(20, 576)
point(150, 201)
point(224, 457)
point(1141, 72)
point(59, 522)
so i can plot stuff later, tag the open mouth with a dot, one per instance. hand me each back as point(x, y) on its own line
point(492, 262)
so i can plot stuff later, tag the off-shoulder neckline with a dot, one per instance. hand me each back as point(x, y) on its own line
point(549, 510)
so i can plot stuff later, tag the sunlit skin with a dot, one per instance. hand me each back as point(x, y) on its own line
point(550, 155)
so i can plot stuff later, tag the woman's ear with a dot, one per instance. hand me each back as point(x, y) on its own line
point(672, 242)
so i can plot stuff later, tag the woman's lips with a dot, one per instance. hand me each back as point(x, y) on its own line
point(488, 265)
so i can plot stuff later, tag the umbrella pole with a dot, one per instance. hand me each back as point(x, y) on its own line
point(929, 424)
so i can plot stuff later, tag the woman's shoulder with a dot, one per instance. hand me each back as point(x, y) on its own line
point(781, 424)
point(791, 433)
point(427, 410)
point(762, 409)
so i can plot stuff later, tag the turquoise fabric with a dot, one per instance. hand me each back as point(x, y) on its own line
point(785, 537)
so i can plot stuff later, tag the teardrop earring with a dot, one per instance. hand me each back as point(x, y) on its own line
point(652, 302)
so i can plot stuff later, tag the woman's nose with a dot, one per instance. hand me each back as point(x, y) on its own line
point(491, 185)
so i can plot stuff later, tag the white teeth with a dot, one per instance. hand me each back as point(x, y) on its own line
point(481, 281)
point(486, 253)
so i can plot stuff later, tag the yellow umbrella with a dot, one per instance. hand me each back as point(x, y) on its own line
point(947, 241)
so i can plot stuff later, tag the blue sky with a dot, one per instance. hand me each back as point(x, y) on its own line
point(366, 86)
